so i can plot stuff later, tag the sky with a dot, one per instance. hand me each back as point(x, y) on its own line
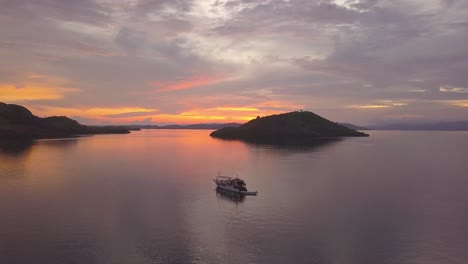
point(219, 61)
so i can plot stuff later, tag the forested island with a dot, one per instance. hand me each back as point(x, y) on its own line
point(294, 125)
point(17, 122)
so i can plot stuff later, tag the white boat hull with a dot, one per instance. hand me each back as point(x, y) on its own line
point(232, 189)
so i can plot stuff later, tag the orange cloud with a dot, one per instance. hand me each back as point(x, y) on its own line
point(131, 115)
point(205, 115)
point(378, 105)
point(211, 115)
point(220, 114)
point(95, 112)
point(369, 106)
point(460, 103)
point(191, 82)
point(118, 110)
point(11, 93)
point(241, 109)
point(36, 87)
point(280, 105)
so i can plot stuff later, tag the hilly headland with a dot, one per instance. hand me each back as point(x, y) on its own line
point(17, 122)
point(288, 126)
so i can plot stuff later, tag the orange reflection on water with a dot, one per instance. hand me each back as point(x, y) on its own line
point(27, 159)
point(184, 150)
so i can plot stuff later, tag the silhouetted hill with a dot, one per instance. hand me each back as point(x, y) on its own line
point(17, 122)
point(441, 126)
point(352, 126)
point(286, 127)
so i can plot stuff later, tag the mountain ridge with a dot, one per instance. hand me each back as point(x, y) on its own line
point(287, 126)
point(17, 122)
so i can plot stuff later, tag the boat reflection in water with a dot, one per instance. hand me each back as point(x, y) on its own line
point(231, 196)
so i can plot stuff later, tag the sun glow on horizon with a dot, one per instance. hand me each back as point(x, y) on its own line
point(30, 92)
point(459, 103)
point(141, 115)
point(241, 109)
point(380, 104)
point(94, 112)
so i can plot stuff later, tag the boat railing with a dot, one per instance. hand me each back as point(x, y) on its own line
point(223, 177)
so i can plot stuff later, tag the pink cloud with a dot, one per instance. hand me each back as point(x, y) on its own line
point(187, 83)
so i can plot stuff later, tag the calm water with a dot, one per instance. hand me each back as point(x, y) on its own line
point(148, 197)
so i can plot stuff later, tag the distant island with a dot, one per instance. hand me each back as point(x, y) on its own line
point(17, 122)
point(288, 126)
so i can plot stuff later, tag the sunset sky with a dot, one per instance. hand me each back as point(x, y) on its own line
point(211, 61)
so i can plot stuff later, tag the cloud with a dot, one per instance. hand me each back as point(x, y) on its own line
point(281, 16)
point(148, 7)
point(36, 87)
point(460, 103)
point(450, 89)
point(378, 105)
point(83, 11)
point(270, 55)
point(95, 114)
point(188, 83)
point(369, 106)
point(241, 109)
point(71, 47)
point(134, 113)
point(11, 93)
point(130, 39)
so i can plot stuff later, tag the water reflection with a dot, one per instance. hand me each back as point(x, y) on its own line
point(21, 147)
point(15, 147)
point(59, 143)
point(148, 197)
point(230, 196)
point(288, 146)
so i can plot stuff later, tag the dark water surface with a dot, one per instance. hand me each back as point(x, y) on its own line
point(148, 197)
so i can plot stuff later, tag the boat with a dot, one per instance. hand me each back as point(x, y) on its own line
point(230, 196)
point(233, 185)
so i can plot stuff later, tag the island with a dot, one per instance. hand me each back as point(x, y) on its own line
point(297, 125)
point(18, 123)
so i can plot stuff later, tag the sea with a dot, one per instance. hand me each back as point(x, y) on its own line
point(149, 197)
